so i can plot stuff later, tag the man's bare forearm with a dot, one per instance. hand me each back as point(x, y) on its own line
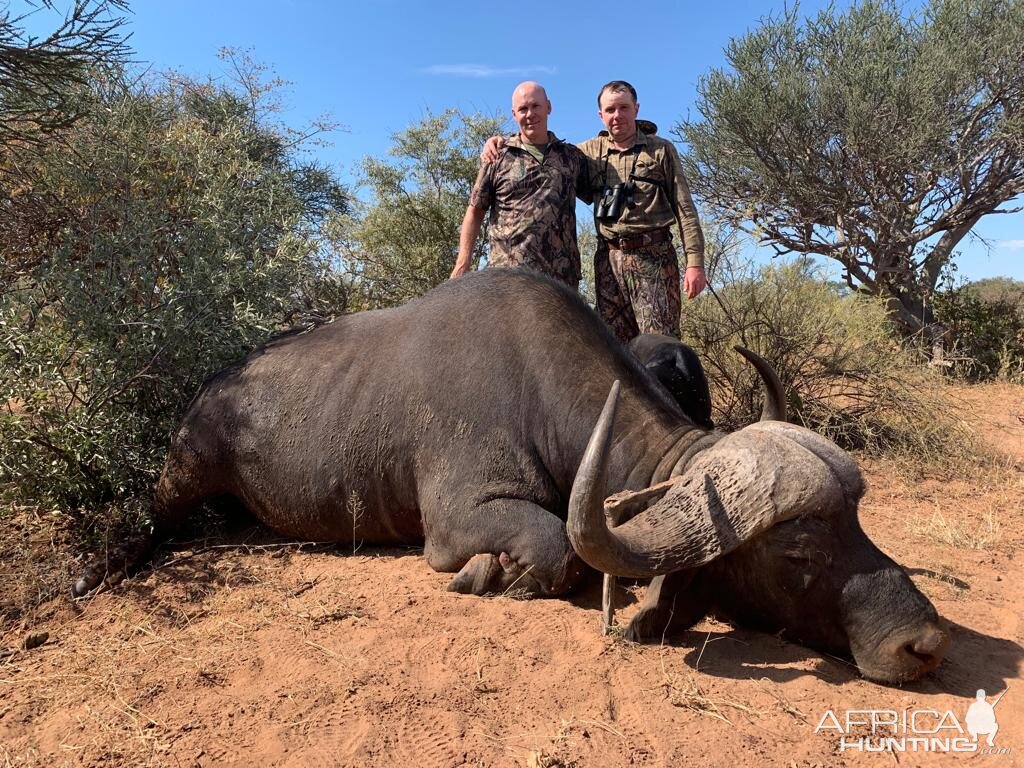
point(471, 224)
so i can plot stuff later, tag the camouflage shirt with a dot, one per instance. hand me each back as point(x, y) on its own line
point(533, 207)
point(662, 196)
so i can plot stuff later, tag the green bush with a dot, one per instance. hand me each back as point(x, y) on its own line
point(168, 232)
point(403, 241)
point(985, 330)
point(845, 373)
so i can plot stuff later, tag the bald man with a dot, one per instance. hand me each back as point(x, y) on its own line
point(530, 191)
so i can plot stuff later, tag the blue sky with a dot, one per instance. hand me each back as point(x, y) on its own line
point(378, 65)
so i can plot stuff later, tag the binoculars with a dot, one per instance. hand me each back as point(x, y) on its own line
point(609, 205)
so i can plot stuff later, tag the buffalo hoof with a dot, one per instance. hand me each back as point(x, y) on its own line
point(669, 607)
point(487, 574)
point(648, 624)
point(112, 569)
point(96, 577)
point(477, 575)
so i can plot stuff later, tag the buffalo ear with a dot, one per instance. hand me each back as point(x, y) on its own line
point(673, 603)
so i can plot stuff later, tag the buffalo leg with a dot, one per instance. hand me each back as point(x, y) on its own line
point(183, 484)
point(668, 607)
point(506, 546)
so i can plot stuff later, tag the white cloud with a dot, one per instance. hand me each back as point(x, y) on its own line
point(485, 70)
point(1011, 245)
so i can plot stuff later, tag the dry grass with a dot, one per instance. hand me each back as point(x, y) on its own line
point(784, 704)
point(945, 436)
point(846, 375)
point(990, 484)
point(92, 686)
point(35, 556)
point(961, 533)
point(555, 754)
point(686, 692)
point(541, 759)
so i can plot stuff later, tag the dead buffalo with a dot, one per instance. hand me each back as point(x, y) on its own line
point(461, 420)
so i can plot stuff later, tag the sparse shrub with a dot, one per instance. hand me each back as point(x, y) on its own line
point(998, 289)
point(845, 373)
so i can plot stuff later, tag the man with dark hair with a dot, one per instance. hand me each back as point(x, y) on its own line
point(530, 190)
point(640, 190)
point(645, 192)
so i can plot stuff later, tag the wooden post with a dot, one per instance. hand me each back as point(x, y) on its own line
point(619, 508)
point(608, 604)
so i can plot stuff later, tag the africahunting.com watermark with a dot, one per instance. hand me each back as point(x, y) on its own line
point(917, 730)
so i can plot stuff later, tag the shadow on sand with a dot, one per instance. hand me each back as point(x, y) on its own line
point(975, 660)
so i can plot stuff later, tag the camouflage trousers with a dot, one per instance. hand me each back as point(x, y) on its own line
point(638, 290)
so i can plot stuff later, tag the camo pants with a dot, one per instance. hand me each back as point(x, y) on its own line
point(638, 290)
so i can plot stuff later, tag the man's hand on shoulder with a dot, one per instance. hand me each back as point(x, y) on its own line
point(694, 281)
point(492, 149)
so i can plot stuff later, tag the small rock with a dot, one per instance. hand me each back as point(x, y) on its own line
point(34, 640)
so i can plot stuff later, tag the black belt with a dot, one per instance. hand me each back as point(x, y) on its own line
point(629, 242)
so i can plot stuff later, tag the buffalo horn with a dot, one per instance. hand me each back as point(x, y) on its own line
point(744, 484)
point(774, 408)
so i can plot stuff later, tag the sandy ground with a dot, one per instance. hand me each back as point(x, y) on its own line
point(274, 655)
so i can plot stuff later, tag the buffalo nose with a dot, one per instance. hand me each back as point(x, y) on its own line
point(929, 645)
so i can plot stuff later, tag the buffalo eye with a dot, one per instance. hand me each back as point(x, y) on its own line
point(809, 563)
